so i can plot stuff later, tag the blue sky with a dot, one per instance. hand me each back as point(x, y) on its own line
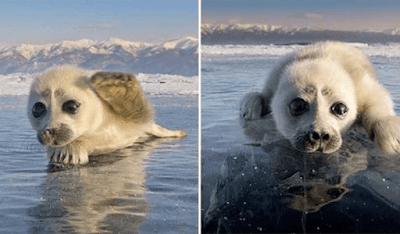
point(42, 21)
point(328, 14)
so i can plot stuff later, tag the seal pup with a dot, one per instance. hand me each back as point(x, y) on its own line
point(78, 112)
point(315, 95)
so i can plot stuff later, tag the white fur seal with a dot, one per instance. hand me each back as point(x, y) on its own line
point(318, 93)
point(77, 112)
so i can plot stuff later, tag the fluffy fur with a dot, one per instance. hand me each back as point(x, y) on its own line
point(318, 93)
point(77, 113)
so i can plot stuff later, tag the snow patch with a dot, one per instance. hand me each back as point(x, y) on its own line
point(153, 84)
point(158, 84)
point(390, 50)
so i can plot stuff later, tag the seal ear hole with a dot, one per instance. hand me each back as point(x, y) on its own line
point(39, 109)
point(71, 106)
point(298, 106)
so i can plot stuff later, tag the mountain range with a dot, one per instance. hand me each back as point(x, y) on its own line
point(175, 57)
point(263, 34)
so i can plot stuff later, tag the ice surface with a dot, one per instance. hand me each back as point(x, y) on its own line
point(160, 84)
point(153, 185)
point(229, 71)
point(16, 83)
point(390, 50)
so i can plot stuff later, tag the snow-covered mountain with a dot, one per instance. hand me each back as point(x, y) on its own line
point(176, 57)
point(263, 34)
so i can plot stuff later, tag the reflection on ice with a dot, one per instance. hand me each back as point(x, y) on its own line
point(107, 195)
point(275, 188)
point(150, 185)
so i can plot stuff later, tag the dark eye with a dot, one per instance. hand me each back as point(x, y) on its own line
point(38, 109)
point(71, 106)
point(339, 108)
point(298, 106)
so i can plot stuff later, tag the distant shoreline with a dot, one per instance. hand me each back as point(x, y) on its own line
point(263, 34)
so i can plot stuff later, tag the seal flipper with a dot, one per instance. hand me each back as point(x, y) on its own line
point(159, 131)
point(123, 94)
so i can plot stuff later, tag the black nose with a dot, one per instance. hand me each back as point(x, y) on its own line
point(315, 136)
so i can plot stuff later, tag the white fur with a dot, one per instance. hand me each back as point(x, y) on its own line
point(322, 75)
point(99, 125)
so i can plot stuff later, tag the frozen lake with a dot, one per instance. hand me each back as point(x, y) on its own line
point(148, 188)
point(228, 73)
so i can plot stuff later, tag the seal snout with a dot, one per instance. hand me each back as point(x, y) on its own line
point(55, 136)
point(319, 139)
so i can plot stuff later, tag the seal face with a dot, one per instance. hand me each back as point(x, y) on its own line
point(318, 93)
point(77, 113)
point(311, 112)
